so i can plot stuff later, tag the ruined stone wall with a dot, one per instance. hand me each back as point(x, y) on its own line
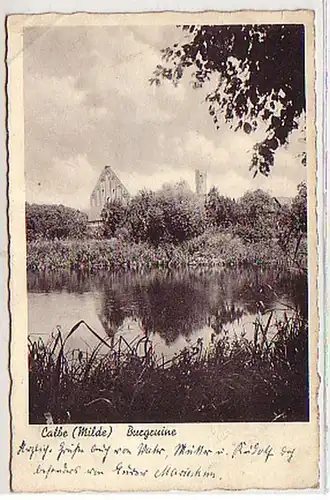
point(108, 188)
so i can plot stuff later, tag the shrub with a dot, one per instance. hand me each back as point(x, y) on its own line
point(54, 221)
point(113, 217)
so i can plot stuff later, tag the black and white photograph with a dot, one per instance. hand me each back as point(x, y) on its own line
point(166, 209)
point(165, 285)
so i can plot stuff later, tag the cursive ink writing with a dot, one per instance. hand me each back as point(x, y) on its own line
point(184, 449)
point(254, 449)
point(82, 450)
point(129, 470)
point(72, 450)
point(64, 470)
point(144, 449)
point(94, 472)
point(288, 453)
point(170, 471)
point(34, 451)
point(103, 450)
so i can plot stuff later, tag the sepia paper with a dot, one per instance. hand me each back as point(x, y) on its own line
point(132, 456)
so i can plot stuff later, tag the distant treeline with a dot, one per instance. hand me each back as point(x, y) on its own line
point(174, 214)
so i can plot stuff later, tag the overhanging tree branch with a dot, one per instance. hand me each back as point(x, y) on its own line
point(260, 73)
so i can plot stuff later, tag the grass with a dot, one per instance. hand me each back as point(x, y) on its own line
point(210, 249)
point(94, 254)
point(264, 379)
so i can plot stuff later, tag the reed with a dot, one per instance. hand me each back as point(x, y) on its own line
point(210, 249)
point(264, 379)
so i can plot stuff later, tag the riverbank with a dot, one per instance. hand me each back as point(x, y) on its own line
point(209, 249)
point(264, 379)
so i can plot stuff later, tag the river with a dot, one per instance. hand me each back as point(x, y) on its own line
point(175, 308)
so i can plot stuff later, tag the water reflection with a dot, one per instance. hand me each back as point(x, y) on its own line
point(176, 306)
point(169, 304)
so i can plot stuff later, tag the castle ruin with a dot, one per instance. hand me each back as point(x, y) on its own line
point(200, 182)
point(108, 188)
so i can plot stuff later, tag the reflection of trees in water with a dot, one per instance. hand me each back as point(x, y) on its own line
point(173, 303)
point(257, 289)
point(165, 304)
point(111, 312)
point(171, 308)
point(295, 286)
point(70, 281)
point(226, 313)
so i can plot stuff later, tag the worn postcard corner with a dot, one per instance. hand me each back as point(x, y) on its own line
point(163, 251)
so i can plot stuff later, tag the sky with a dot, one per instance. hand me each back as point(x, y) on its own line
point(88, 103)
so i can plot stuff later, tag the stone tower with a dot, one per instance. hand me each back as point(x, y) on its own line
point(200, 180)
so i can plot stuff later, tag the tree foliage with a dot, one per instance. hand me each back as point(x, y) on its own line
point(292, 220)
point(113, 216)
point(170, 215)
point(183, 212)
point(260, 78)
point(299, 210)
point(256, 214)
point(54, 221)
point(220, 210)
point(175, 214)
point(145, 218)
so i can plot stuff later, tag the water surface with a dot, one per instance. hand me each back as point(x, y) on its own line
point(174, 308)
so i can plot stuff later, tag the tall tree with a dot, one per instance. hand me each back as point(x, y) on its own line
point(183, 212)
point(220, 210)
point(170, 215)
point(299, 216)
point(113, 217)
point(299, 210)
point(256, 212)
point(260, 77)
point(145, 218)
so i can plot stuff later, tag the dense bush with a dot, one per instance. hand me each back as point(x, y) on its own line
point(114, 216)
point(54, 222)
point(172, 214)
point(258, 219)
point(256, 216)
point(220, 211)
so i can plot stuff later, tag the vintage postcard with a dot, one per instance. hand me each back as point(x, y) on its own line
point(163, 251)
